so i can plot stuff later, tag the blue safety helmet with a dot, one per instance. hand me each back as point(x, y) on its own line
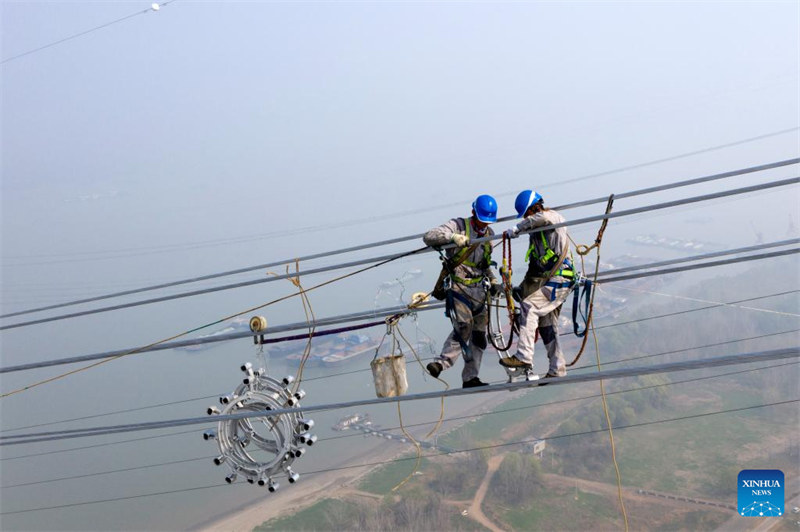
point(485, 208)
point(524, 200)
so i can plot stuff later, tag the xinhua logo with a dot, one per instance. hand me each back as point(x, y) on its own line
point(760, 492)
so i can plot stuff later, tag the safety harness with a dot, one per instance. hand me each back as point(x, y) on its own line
point(548, 261)
point(452, 294)
point(460, 258)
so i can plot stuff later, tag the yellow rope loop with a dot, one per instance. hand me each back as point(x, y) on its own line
point(310, 317)
point(416, 444)
point(400, 413)
point(446, 386)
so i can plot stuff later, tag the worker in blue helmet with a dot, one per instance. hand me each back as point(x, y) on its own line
point(548, 281)
point(466, 276)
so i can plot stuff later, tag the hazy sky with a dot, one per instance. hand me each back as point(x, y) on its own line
point(185, 141)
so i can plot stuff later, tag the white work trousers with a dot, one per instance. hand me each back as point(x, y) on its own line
point(540, 310)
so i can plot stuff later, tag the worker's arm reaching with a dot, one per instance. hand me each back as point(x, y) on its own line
point(450, 232)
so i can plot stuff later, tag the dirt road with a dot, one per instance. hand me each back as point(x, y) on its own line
point(475, 511)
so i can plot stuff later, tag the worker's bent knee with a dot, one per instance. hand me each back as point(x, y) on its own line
point(548, 334)
point(479, 339)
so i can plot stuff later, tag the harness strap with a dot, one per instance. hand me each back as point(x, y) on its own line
point(557, 285)
point(584, 312)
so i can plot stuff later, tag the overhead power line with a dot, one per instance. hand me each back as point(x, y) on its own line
point(618, 214)
point(745, 358)
point(364, 370)
point(698, 309)
point(425, 423)
point(712, 264)
point(86, 32)
point(398, 240)
point(441, 453)
point(693, 258)
point(363, 315)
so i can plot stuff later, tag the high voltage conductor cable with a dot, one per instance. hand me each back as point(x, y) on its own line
point(364, 370)
point(712, 264)
point(395, 460)
point(154, 7)
point(425, 423)
point(398, 240)
point(368, 315)
point(116, 412)
point(455, 418)
point(668, 186)
point(335, 320)
point(688, 311)
point(561, 436)
point(387, 258)
point(575, 399)
point(693, 258)
point(246, 311)
point(715, 303)
point(744, 358)
point(675, 351)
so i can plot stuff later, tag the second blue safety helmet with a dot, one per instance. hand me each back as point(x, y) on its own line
point(485, 208)
point(524, 200)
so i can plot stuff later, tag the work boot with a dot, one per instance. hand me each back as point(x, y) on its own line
point(434, 368)
point(474, 382)
point(513, 362)
point(550, 374)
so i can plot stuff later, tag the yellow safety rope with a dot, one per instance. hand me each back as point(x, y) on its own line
point(246, 311)
point(582, 251)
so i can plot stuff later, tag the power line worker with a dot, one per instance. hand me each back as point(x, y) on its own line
point(466, 276)
point(548, 281)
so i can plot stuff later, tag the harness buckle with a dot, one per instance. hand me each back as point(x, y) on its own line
point(485, 283)
point(447, 284)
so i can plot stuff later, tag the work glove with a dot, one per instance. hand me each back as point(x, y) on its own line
point(459, 240)
point(512, 232)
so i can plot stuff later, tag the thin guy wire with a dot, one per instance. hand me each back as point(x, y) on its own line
point(75, 36)
point(195, 245)
point(59, 451)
